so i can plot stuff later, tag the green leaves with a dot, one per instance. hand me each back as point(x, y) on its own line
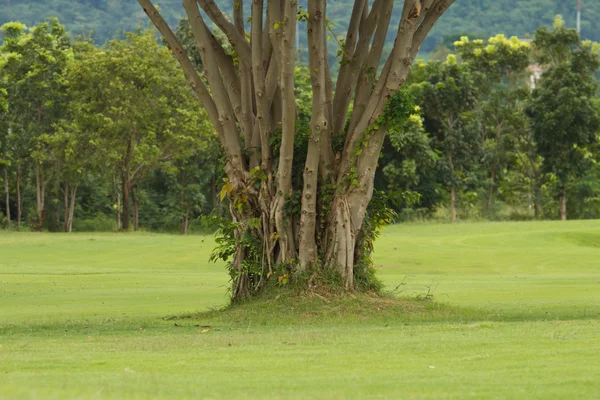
point(563, 115)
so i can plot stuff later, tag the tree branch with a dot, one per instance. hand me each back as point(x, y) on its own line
point(226, 118)
point(192, 75)
point(368, 72)
point(262, 96)
point(433, 10)
point(231, 31)
point(319, 125)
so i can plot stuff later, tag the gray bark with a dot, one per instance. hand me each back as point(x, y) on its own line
point(7, 199)
point(563, 205)
point(259, 98)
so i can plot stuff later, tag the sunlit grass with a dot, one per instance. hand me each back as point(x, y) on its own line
point(516, 315)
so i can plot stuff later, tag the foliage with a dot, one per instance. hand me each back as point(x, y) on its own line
point(564, 118)
point(73, 122)
point(476, 19)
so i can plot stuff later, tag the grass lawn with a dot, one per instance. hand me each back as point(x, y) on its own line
point(516, 315)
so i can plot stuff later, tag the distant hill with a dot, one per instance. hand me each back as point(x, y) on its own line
point(481, 17)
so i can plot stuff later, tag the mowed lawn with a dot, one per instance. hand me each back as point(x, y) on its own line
point(91, 316)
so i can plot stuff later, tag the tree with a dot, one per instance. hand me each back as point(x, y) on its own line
point(130, 104)
point(564, 117)
point(407, 156)
point(4, 156)
point(501, 64)
point(251, 101)
point(448, 96)
point(34, 66)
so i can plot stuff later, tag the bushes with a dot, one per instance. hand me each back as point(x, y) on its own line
point(99, 223)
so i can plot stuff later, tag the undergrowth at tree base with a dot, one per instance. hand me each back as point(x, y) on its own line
point(323, 304)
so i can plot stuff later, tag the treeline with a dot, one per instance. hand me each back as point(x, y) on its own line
point(107, 138)
point(90, 136)
point(484, 18)
point(504, 128)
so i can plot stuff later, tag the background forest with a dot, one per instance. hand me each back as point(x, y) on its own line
point(481, 18)
point(100, 134)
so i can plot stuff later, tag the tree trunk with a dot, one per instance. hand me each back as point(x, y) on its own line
point(118, 199)
point(491, 190)
point(537, 198)
point(184, 221)
point(19, 207)
point(319, 125)
point(452, 190)
point(57, 223)
point(136, 211)
point(126, 189)
point(453, 204)
point(563, 205)
point(40, 186)
point(6, 190)
point(70, 192)
point(259, 194)
point(66, 206)
point(72, 208)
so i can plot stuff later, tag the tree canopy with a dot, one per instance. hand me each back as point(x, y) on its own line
point(482, 18)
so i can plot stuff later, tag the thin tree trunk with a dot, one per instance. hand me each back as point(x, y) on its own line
point(70, 206)
point(66, 206)
point(57, 223)
point(136, 211)
point(286, 34)
point(537, 207)
point(183, 227)
point(491, 190)
point(118, 198)
point(40, 187)
point(452, 190)
point(537, 196)
point(183, 203)
point(319, 125)
point(6, 189)
point(563, 205)
point(126, 191)
point(19, 208)
point(453, 204)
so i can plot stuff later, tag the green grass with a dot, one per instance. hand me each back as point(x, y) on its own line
point(516, 315)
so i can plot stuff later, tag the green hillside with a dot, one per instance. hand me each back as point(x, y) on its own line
point(483, 17)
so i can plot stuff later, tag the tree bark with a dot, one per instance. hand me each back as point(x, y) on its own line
point(537, 201)
point(70, 192)
point(286, 34)
point(40, 186)
point(126, 190)
point(72, 207)
point(452, 204)
point(563, 204)
point(491, 189)
point(57, 223)
point(118, 199)
point(66, 206)
point(259, 189)
point(136, 211)
point(19, 205)
point(183, 219)
point(7, 192)
point(452, 190)
point(319, 125)
point(184, 222)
